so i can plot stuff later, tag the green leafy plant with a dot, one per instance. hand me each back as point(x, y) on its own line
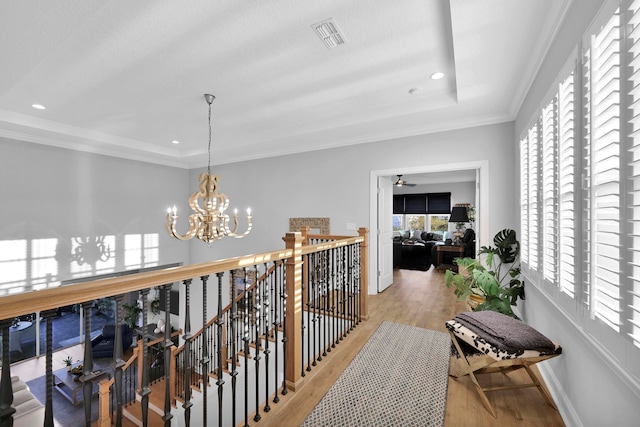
point(132, 311)
point(495, 275)
point(68, 361)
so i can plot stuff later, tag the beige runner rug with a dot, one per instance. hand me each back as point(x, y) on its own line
point(399, 378)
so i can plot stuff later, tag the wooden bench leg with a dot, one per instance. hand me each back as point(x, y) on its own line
point(469, 370)
point(543, 391)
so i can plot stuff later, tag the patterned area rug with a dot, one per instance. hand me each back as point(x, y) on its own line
point(399, 378)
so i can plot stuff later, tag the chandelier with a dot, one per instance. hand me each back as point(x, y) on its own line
point(209, 222)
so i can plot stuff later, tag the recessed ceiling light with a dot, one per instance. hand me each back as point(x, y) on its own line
point(437, 76)
point(38, 106)
point(175, 142)
point(415, 90)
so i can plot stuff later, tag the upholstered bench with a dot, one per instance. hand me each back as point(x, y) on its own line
point(510, 344)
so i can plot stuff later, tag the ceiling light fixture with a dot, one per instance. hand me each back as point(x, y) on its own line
point(209, 222)
point(38, 106)
point(437, 76)
point(175, 141)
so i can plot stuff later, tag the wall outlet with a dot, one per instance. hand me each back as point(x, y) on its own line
point(351, 226)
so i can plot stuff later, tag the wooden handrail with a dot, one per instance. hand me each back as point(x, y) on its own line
point(47, 299)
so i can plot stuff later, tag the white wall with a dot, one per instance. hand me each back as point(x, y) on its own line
point(587, 389)
point(60, 194)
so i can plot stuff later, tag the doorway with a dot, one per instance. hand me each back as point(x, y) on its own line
point(482, 217)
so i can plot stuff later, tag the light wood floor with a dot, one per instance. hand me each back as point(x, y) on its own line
point(420, 299)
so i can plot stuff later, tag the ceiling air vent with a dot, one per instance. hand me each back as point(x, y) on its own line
point(329, 33)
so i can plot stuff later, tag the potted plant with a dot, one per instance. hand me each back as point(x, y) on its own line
point(491, 282)
point(132, 311)
point(68, 361)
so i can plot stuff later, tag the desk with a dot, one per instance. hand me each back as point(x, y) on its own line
point(456, 250)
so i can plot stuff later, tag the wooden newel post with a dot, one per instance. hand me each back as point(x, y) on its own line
point(305, 231)
point(104, 415)
point(364, 273)
point(293, 278)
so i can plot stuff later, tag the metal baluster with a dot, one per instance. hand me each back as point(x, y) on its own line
point(276, 326)
point(336, 296)
point(234, 332)
point(144, 390)
point(258, 310)
point(48, 409)
point(6, 391)
point(313, 286)
point(87, 364)
point(205, 351)
point(359, 279)
point(305, 261)
point(325, 305)
point(187, 353)
point(265, 322)
point(340, 255)
point(320, 308)
point(245, 339)
point(309, 285)
point(118, 363)
point(351, 286)
point(219, 322)
point(167, 417)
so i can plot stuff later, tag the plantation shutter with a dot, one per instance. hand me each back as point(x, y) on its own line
point(524, 200)
point(633, 168)
point(549, 210)
point(566, 187)
point(534, 231)
point(603, 173)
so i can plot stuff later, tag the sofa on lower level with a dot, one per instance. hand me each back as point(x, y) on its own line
point(412, 249)
point(103, 344)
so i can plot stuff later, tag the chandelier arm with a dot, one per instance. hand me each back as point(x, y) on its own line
point(194, 225)
point(232, 233)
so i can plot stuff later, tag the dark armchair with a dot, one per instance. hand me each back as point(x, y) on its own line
point(102, 345)
point(469, 243)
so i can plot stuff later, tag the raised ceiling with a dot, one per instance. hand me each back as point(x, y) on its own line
point(126, 78)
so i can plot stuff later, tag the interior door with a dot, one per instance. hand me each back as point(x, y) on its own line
point(385, 232)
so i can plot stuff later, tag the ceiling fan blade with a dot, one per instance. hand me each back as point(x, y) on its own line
point(408, 185)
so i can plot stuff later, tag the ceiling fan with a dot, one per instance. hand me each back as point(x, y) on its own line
point(402, 183)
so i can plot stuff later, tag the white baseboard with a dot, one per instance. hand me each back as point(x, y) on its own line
point(567, 412)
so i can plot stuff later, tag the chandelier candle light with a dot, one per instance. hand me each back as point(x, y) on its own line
point(209, 222)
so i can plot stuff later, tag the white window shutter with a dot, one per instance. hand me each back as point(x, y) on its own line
point(566, 187)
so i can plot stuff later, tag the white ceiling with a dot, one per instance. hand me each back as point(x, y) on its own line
point(126, 78)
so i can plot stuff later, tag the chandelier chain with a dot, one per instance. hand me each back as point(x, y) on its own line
point(209, 149)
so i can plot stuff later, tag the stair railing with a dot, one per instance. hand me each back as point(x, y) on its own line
point(268, 324)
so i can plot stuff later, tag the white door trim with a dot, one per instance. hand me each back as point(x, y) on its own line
point(482, 210)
